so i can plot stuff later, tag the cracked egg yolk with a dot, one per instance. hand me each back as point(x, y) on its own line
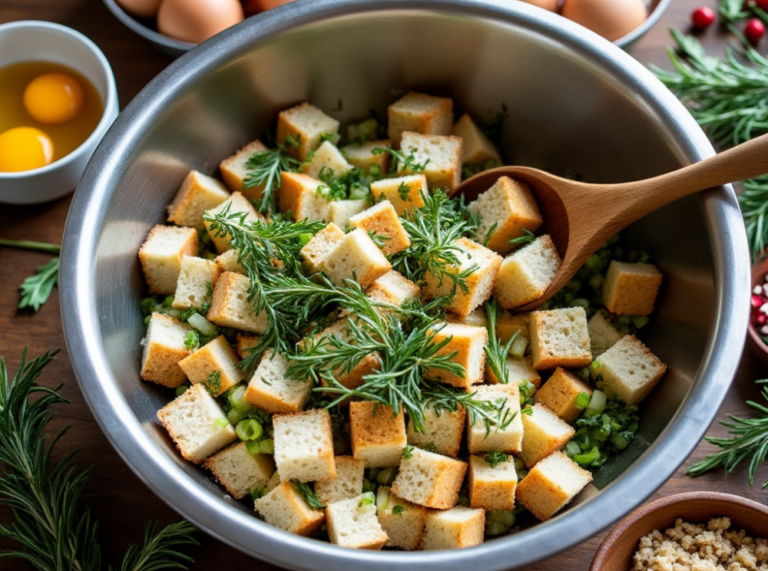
point(24, 148)
point(53, 98)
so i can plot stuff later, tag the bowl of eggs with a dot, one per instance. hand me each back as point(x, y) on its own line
point(58, 98)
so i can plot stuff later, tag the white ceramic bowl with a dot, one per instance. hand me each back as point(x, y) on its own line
point(43, 41)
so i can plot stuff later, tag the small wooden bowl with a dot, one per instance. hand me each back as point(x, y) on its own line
point(756, 344)
point(616, 551)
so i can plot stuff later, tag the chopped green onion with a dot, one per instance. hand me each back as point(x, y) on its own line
point(382, 499)
point(202, 325)
point(267, 446)
point(463, 501)
point(235, 415)
point(249, 429)
point(235, 398)
point(253, 447)
point(596, 403)
point(192, 340)
point(222, 423)
point(519, 464)
point(518, 347)
point(368, 499)
point(168, 301)
point(375, 170)
point(386, 476)
point(181, 390)
point(368, 486)
point(582, 401)
point(588, 458)
point(305, 238)
point(581, 302)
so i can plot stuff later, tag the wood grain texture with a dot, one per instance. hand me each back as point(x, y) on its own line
point(118, 498)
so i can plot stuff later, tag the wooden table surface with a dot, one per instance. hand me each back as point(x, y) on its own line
point(116, 496)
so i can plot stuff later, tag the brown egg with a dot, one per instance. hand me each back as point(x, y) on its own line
point(612, 19)
point(197, 20)
point(256, 6)
point(140, 8)
point(550, 5)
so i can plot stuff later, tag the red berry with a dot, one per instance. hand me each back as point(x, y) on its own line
point(754, 30)
point(757, 301)
point(703, 17)
point(762, 319)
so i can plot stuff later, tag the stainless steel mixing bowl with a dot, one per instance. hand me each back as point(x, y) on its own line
point(576, 103)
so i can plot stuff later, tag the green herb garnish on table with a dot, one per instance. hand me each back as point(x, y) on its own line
point(36, 289)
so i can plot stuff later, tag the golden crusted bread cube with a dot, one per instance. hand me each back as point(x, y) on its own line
point(510, 323)
point(305, 124)
point(234, 171)
point(468, 342)
point(356, 258)
point(161, 255)
point(402, 521)
point(214, 365)
point(526, 274)
point(355, 525)
point(518, 371)
point(486, 265)
point(477, 147)
point(543, 433)
point(321, 244)
point(454, 528)
point(492, 488)
point(551, 484)
point(420, 113)
point(631, 289)
point(378, 436)
point(508, 439)
point(405, 192)
point(236, 203)
point(341, 211)
point(440, 156)
point(239, 471)
point(362, 156)
point(560, 392)
point(229, 261)
point(197, 194)
point(270, 388)
point(560, 338)
point(393, 288)
point(442, 433)
point(300, 195)
point(429, 479)
point(630, 370)
point(347, 484)
point(245, 343)
point(506, 210)
point(230, 306)
point(195, 284)
point(164, 347)
point(196, 424)
point(304, 446)
point(285, 508)
point(602, 334)
point(382, 220)
point(326, 158)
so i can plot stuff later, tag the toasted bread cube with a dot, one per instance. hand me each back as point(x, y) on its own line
point(161, 255)
point(164, 347)
point(342, 210)
point(429, 479)
point(630, 370)
point(382, 220)
point(356, 258)
point(441, 157)
point(285, 508)
point(403, 522)
point(306, 124)
point(362, 157)
point(525, 275)
point(477, 147)
point(304, 446)
point(378, 436)
point(602, 334)
point(405, 192)
point(197, 194)
point(321, 244)
point(510, 323)
point(245, 343)
point(509, 439)
point(236, 203)
point(468, 342)
point(327, 158)
point(196, 424)
point(229, 261)
point(234, 170)
point(543, 433)
point(230, 306)
point(393, 288)
point(477, 318)
point(560, 392)
point(479, 283)
point(518, 371)
point(270, 388)
point(299, 195)
point(420, 113)
point(216, 356)
point(195, 284)
point(353, 525)
point(560, 338)
point(347, 484)
point(239, 471)
point(454, 528)
point(442, 432)
point(551, 484)
point(631, 289)
point(492, 488)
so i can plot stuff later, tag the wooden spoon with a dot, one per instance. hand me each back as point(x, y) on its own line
point(580, 216)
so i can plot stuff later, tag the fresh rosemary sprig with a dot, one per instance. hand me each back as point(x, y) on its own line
point(400, 162)
point(36, 289)
point(753, 200)
point(264, 168)
point(496, 353)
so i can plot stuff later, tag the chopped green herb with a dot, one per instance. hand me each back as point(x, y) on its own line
point(258, 492)
point(306, 492)
point(495, 458)
point(404, 191)
point(368, 499)
point(400, 162)
point(526, 238)
point(398, 509)
point(408, 452)
point(192, 340)
point(264, 168)
point(213, 382)
point(35, 290)
point(582, 400)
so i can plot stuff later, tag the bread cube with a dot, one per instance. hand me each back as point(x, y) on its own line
point(245, 343)
point(382, 220)
point(602, 334)
point(551, 484)
point(526, 274)
point(304, 446)
point(197, 194)
point(362, 157)
point(510, 323)
point(442, 156)
point(347, 484)
point(230, 306)
point(196, 424)
point(543, 433)
point(270, 388)
point(239, 471)
point(306, 124)
point(468, 342)
point(236, 203)
point(518, 371)
point(405, 192)
point(477, 147)
point(321, 244)
point(341, 211)
point(560, 338)
point(477, 318)
point(164, 347)
point(479, 283)
point(429, 479)
point(403, 522)
point(442, 432)
point(195, 284)
point(353, 525)
point(560, 392)
point(630, 370)
point(299, 195)
point(393, 288)
point(229, 261)
point(235, 172)
point(509, 439)
point(285, 508)
point(378, 436)
point(214, 357)
point(631, 289)
point(420, 113)
point(327, 156)
point(454, 528)
point(492, 488)
point(356, 258)
point(161, 255)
